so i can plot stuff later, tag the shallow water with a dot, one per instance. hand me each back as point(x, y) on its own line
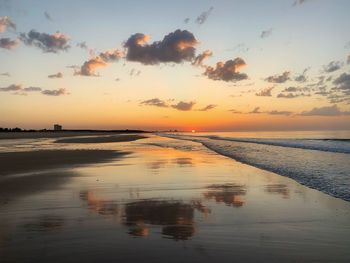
point(320, 162)
point(168, 201)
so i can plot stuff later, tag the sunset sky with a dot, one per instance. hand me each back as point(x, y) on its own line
point(282, 65)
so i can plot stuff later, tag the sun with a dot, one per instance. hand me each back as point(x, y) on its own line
point(193, 131)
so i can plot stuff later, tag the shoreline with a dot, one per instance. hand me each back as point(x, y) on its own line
point(58, 134)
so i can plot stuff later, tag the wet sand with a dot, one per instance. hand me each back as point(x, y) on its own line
point(24, 162)
point(169, 201)
point(102, 139)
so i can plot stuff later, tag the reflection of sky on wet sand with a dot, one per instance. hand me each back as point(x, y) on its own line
point(128, 210)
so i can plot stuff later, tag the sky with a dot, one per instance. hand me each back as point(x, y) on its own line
point(186, 65)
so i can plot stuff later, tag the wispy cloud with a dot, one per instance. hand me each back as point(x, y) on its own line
point(155, 102)
point(48, 16)
point(279, 78)
point(208, 107)
point(265, 92)
point(325, 111)
point(302, 77)
point(292, 95)
point(13, 87)
point(57, 92)
point(19, 90)
point(48, 43)
point(202, 18)
point(299, 2)
point(56, 76)
point(82, 45)
point(266, 33)
point(332, 66)
point(256, 110)
point(276, 112)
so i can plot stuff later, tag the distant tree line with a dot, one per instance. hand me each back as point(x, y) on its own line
point(14, 130)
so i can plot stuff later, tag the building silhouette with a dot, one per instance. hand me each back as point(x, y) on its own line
point(57, 127)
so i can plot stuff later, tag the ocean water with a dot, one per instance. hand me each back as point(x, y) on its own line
point(319, 160)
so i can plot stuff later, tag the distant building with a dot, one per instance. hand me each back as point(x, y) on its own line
point(57, 127)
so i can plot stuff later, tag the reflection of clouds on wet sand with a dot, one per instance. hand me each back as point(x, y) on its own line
point(156, 165)
point(229, 194)
point(183, 161)
point(281, 189)
point(162, 163)
point(176, 218)
point(99, 206)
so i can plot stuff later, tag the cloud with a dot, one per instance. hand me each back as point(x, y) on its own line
point(234, 111)
point(208, 107)
point(82, 45)
point(8, 43)
point(5, 74)
point(325, 111)
point(266, 33)
point(134, 72)
point(299, 2)
point(290, 89)
point(48, 16)
point(5, 23)
point(241, 47)
point(56, 76)
point(265, 92)
point(256, 110)
point(291, 95)
point(176, 47)
point(348, 60)
point(13, 87)
point(48, 43)
point(31, 89)
point(198, 60)
point(155, 102)
point(343, 82)
point(57, 92)
point(279, 78)
point(102, 60)
point(204, 16)
point(184, 106)
point(227, 71)
point(302, 77)
point(276, 112)
point(332, 66)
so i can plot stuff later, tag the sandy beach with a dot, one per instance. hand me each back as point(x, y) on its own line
point(166, 200)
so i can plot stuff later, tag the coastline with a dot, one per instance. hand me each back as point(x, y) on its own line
point(169, 194)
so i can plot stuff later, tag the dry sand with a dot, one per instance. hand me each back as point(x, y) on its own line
point(23, 162)
point(102, 139)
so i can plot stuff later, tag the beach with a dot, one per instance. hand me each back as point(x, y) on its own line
point(158, 199)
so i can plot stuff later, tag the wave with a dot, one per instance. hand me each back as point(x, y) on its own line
point(326, 170)
point(327, 145)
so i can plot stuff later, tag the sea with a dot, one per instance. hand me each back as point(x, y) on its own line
point(316, 159)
